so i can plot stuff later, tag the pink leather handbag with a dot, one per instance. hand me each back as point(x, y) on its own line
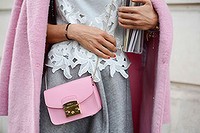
point(72, 101)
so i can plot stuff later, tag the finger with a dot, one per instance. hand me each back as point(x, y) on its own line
point(142, 1)
point(105, 50)
point(91, 46)
point(100, 54)
point(134, 9)
point(130, 22)
point(110, 38)
point(127, 16)
point(127, 21)
point(128, 9)
point(141, 27)
point(108, 45)
point(109, 42)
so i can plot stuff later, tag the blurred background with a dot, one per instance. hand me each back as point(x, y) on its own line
point(184, 67)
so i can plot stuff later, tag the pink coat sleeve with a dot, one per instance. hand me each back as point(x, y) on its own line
point(6, 61)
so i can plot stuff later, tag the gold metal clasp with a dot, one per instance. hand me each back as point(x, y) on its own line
point(71, 108)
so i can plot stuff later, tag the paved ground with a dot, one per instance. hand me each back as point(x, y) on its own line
point(185, 110)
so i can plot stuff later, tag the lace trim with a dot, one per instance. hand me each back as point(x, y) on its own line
point(62, 56)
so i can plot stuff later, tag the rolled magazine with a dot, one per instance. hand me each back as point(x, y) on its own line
point(133, 38)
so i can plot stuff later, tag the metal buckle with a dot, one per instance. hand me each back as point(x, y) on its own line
point(71, 108)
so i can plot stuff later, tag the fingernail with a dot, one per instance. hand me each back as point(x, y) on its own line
point(114, 55)
point(109, 57)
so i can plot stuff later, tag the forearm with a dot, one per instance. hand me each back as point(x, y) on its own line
point(56, 33)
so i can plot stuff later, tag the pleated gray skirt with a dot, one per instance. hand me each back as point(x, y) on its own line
point(114, 117)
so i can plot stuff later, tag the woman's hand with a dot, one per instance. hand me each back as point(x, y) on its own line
point(141, 17)
point(93, 39)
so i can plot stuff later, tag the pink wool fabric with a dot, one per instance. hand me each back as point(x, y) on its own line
point(22, 66)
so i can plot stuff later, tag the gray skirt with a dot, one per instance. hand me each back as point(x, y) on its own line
point(114, 117)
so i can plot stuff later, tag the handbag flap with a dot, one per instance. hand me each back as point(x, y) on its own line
point(76, 90)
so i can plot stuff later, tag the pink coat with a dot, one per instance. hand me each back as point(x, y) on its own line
point(22, 66)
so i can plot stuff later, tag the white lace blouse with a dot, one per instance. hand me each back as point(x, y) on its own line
point(98, 13)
